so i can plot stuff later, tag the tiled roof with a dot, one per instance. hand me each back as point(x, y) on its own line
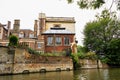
point(26, 32)
point(23, 30)
point(57, 31)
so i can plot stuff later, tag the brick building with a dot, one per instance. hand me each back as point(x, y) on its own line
point(4, 33)
point(50, 34)
point(57, 39)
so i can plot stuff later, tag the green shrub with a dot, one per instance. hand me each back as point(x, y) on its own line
point(75, 61)
point(88, 55)
point(13, 40)
point(91, 55)
point(31, 51)
point(105, 60)
point(81, 55)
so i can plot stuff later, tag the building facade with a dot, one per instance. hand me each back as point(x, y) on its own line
point(4, 33)
point(58, 40)
point(50, 34)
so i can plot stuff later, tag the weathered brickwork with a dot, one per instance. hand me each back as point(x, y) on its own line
point(6, 61)
point(21, 61)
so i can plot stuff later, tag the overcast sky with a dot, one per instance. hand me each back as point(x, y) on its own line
point(28, 10)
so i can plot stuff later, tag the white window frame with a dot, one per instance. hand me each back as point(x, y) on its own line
point(50, 40)
point(58, 40)
point(66, 41)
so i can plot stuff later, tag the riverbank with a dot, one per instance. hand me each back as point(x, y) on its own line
point(17, 61)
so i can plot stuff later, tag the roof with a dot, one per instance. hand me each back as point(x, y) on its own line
point(60, 19)
point(57, 31)
point(4, 26)
point(26, 32)
point(23, 30)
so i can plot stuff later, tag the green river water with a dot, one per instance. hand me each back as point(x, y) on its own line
point(83, 74)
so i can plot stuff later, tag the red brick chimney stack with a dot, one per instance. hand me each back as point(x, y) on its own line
point(36, 28)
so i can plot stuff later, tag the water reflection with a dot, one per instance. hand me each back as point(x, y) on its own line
point(85, 74)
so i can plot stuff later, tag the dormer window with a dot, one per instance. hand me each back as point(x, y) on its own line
point(31, 35)
point(21, 35)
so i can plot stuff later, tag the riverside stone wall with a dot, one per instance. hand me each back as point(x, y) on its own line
point(88, 63)
point(6, 61)
point(25, 62)
point(15, 61)
point(20, 61)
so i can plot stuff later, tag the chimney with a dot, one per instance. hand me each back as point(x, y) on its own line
point(36, 28)
point(9, 26)
point(42, 20)
point(16, 26)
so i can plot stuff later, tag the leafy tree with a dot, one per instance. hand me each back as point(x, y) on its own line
point(94, 4)
point(113, 52)
point(100, 33)
point(13, 40)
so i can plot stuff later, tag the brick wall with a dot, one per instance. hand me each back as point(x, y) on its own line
point(58, 48)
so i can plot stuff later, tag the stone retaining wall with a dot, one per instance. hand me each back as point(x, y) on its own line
point(20, 61)
point(6, 61)
point(15, 61)
point(88, 63)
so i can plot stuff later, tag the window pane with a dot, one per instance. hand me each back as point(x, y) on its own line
point(66, 40)
point(39, 45)
point(58, 41)
point(50, 40)
point(31, 35)
point(21, 35)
